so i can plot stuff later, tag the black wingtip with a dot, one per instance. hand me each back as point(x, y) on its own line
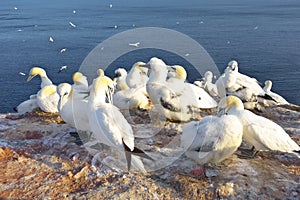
point(268, 97)
point(15, 109)
point(127, 155)
point(138, 152)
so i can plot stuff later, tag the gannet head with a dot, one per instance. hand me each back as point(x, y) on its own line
point(48, 90)
point(104, 85)
point(229, 103)
point(208, 75)
point(180, 72)
point(36, 71)
point(100, 72)
point(120, 72)
point(268, 85)
point(78, 78)
point(233, 65)
point(64, 90)
point(140, 66)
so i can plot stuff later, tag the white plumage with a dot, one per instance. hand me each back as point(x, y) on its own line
point(258, 131)
point(212, 139)
point(108, 124)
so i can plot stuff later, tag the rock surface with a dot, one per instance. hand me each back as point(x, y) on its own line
point(40, 159)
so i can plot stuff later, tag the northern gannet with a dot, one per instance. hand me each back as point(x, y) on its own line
point(258, 131)
point(120, 79)
point(73, 109)
point(212, 139)
point(108, 124)
point(277, 99)
point(137, 76)
point(43, 75)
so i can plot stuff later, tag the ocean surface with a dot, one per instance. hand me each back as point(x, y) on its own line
point(263, 36)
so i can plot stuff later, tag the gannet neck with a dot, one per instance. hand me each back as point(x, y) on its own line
point(45, 81)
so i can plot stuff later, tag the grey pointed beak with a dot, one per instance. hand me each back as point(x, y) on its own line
point(221, 111)
point(146, 66)
point(30, 77)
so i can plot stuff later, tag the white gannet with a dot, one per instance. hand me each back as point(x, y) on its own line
point(27, 106)
point(210, 87)
point(22, 73)
point(234, 83)
point(47, 99)
point(173, 99)
point(71, 24)
point(131, 98)
point(62, 68)
point(80, 85)
point(137, 76)
point(258, 131)
point(201, 99)
point(51, 39)
point(277, 99)
point(42, 73)
point(73, 109)
point(63, 50)
point(109, 125)
point(212, 139)
point(120, 79)
point(137, 44)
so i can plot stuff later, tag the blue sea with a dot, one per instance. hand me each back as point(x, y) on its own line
point(263, 36)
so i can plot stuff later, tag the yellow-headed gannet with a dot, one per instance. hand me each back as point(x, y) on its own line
point(109, 125)
point(212, 139)
point(258, 131)
point(42, 73)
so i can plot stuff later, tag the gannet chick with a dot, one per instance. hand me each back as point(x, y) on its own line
point(73, 110)
point(212, 139)
point(47, 99)
point(42, 73)
point(210, 87)
point(120, 79)
point(277, 99)
point(258, 131)
point(137, 76)
point(109, 125)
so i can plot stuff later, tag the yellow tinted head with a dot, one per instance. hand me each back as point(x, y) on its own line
point(180, 72)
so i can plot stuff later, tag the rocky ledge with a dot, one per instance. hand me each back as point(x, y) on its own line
point(41, 158)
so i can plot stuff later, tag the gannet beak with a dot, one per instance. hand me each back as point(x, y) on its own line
point(59, 107)
point(86, 93)
point(171, 68)
point(221, 111)
point(30, 77)
point(146, 66)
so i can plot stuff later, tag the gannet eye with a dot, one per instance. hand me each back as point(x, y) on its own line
point(66, 93)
